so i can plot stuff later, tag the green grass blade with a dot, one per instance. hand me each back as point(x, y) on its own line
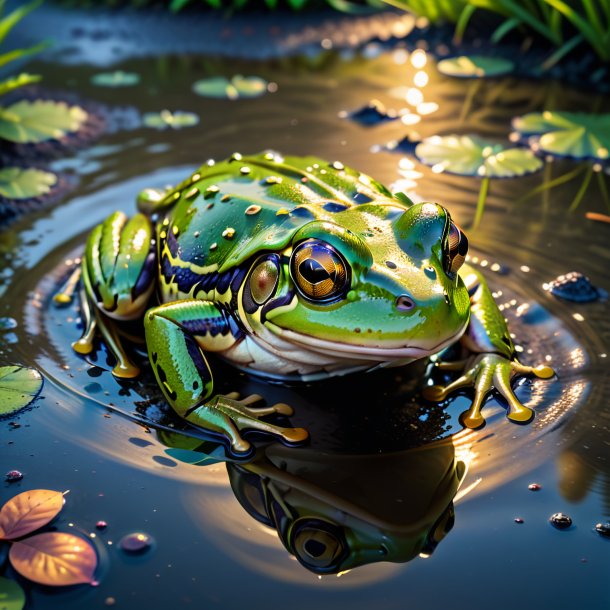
point(582, 190)
point(514, 9)
point(593, 16)
point(582, 26)
point(481, 202)
point(504, 29)
point(462, 22)
point(7, 58)
point(177, 5)
point(563, 50)
point(12, 19)
point(10, 84)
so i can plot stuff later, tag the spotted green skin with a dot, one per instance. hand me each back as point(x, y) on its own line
point(200, 245)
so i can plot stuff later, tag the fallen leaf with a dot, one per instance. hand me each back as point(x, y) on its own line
point(12, 596)
point(29, 511)
point(54, 558)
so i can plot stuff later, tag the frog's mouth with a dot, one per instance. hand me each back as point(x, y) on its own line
point(353, 351)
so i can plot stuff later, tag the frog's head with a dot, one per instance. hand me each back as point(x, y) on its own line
point(378, 283)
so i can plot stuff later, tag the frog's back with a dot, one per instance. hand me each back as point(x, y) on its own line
point(228, 211)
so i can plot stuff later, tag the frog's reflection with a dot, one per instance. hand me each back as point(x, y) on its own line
point(335, 512)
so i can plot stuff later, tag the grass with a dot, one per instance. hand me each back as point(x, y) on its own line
point(566, 24)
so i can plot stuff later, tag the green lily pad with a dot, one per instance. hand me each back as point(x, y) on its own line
point(118, 78)
point(579, 135)
point(236, 88)
point(12, 596)
point(40, 120)
point(19, 183)
point(475, 66)
point(165, 119)
point(473, 156)
point(19, 386)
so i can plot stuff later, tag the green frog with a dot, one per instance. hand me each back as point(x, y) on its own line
point(292, 269)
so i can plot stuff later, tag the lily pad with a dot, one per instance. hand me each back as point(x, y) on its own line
point(19, 183)
point(579, 135)
point(54, 558)
point(29, 511)
point(475, 66)
point(12, 596)
point(40, 120)
point(118, 78)
point(237, 87)
point(473, 156)
point(19, 386)
point(166, 119)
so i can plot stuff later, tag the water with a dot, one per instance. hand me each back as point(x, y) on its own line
point(114, 445)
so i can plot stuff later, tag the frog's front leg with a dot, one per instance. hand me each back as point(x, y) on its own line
point(177, 336)
point(493, 364)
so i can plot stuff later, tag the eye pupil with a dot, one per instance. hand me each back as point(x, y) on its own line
point(319, 271)
point(457, 248)
point(312, 271)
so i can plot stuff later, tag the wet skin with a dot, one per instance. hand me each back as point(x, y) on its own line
point(293, 269)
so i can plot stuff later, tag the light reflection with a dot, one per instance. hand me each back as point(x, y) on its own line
point(421, 78)
point(419, 59)
point(414, 96)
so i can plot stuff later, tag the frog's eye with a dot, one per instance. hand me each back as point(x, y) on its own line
point(319, 545)
point(319, 271)
point(456, 248)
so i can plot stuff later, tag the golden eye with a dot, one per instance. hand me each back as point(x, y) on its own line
point(319, 271)
point(456, 248)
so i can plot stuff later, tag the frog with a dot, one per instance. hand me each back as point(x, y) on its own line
point(292, 269)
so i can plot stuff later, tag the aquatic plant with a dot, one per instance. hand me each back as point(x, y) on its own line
point(166, 119)
point(564, 24)
point(577, 135)
point(19, 386)
point(31, 121)
point(118, 78)
point(469, 155)
point(237, 87)
point(475, 66)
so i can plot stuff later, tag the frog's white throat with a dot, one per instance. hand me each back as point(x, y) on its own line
point(278, 353)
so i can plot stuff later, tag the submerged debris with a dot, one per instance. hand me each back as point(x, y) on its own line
point(603, 529)
point(13, 475)
point(534, 487)
point(137, 542)
point(574, 286)
point(560, 521)
point(372, 113)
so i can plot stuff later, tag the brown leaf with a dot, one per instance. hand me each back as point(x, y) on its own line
point(54, 558)
point(29, 511)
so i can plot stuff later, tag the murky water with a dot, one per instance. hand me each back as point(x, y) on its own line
point(115, 446)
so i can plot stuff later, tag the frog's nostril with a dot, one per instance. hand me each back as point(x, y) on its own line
point(404, 303)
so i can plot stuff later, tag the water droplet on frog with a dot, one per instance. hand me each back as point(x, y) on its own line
point(560, 521)
point(13, 475)
point(534, 487)
point(603, 529)
point(137, 542)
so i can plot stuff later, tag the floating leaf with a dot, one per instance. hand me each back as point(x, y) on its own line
point(12, 596)
point(28, 512)
point(474, 156)
point(475, 66)
point(238, 87)
point(579, 135)
point(165, 119)
point(118, 78)
point(19, 183)
point(54, 558)
point(39, 120)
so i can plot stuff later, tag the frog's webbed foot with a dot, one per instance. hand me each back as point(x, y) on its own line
point(485, 373)
point(228, 416)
